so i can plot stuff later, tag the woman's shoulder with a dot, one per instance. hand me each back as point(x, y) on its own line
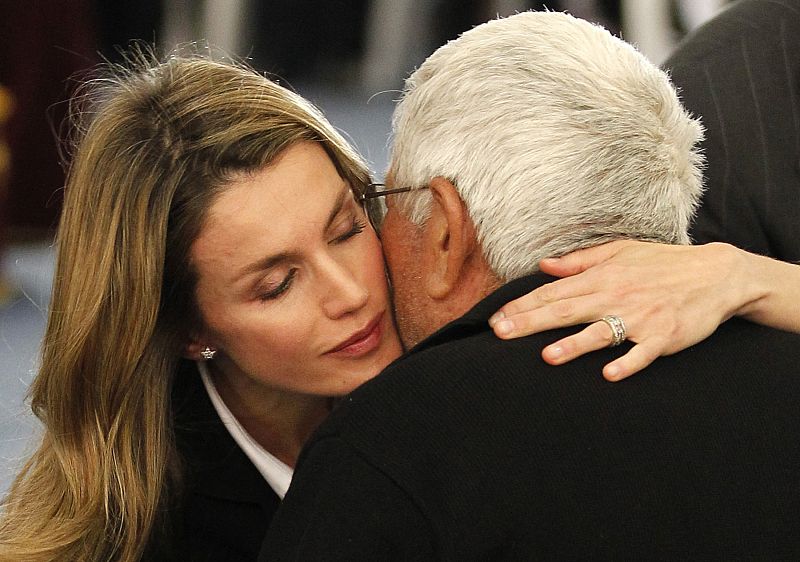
point(220, 506)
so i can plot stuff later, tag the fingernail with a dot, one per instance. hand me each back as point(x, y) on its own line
point(496, 317)
point(554, 352)
point(504, 327)
point(612, 371)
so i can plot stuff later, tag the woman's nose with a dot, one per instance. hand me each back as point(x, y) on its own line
point(344, 293)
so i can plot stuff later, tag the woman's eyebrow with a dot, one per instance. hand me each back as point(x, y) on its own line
point(337, 206)
point(275, 259)
point(265, 263)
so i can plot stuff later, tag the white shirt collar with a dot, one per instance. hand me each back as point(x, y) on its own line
point(277, 474)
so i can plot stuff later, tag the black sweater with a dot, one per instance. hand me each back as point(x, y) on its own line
point(471, 448)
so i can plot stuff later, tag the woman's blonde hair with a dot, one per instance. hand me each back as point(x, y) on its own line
point(155, 141)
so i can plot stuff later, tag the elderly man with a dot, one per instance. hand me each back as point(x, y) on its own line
point(528, 137)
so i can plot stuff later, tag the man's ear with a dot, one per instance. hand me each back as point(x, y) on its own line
point(450, 238)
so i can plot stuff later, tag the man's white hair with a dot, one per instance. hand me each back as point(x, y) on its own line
point(557, 135)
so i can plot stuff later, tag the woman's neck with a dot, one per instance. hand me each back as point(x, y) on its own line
point(279, 421)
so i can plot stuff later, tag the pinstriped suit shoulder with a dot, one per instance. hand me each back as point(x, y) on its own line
point(741, 74)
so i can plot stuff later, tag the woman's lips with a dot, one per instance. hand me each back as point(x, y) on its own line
point(363, 341)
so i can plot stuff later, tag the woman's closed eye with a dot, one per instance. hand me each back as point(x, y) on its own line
point(356, 227)
point(352, 228)
point(282, 287)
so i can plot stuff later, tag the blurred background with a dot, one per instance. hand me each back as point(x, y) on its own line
point(349, 57)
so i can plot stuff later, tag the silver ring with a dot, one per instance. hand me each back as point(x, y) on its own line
point(617, 326)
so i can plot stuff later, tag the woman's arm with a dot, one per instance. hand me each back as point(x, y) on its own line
point(777, 285)
point(670, 297)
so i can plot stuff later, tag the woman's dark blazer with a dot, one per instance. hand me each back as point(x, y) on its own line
point(224, 506)
point(741, 74)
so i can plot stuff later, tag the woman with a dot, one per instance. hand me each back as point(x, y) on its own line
point(208, 218)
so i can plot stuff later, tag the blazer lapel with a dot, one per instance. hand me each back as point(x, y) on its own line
point(214, 464)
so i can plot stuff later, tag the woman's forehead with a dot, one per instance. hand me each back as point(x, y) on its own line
point(275, 210)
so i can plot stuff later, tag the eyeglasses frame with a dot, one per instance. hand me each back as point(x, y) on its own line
point(365, 196)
